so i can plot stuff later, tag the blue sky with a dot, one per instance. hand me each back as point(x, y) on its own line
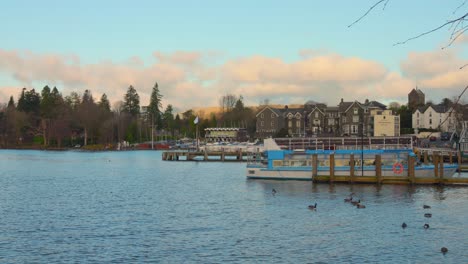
point(114, 32)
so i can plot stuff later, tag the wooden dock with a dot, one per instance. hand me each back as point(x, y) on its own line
point(222, 155)
point(409, 178)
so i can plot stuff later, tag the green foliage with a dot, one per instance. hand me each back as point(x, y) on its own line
point(131, 102)
point(155, 106)
point(104, 103)
point(29, 102)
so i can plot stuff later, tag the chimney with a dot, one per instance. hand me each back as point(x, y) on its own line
point(342, 100)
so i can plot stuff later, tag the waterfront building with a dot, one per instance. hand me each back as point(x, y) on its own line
point(434, 117)
point(223, 134)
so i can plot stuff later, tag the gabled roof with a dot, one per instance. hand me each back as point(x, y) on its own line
point(344, 105)
point(437, 108)
point(277, 112)
point(316, 109)
point(351, 105)
point(375, 104)
point(293, 111)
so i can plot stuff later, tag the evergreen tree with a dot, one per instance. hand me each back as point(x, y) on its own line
point(155, 106)
point(22, 101)
point(104, 103)
point(11, 103)
point(168, 117)
point(132, 102)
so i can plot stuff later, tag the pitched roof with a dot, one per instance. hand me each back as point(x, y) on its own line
point(274, 110)
point(376, 104)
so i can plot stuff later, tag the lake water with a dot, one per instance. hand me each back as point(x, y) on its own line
point(131, 207)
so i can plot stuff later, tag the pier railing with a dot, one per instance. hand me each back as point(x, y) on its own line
point(331, 143)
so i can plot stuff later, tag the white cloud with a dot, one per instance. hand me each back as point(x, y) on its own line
point(193, 79)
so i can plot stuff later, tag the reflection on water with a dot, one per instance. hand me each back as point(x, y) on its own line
point(131, 207)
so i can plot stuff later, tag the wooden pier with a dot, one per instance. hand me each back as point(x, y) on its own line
point(221, 155)
point(355, 175)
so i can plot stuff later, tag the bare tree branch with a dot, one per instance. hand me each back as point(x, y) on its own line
point(368, 11)
point(385, 5)
point(462, 4)
point(450, 22)
point(463, 66)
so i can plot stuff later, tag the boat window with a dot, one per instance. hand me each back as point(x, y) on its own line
point(277, 163)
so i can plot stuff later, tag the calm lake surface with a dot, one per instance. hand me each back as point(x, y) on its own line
point(132, 207)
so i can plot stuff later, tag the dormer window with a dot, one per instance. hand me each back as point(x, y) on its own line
point(355, 111)
point(261, 115)
point(272, 115)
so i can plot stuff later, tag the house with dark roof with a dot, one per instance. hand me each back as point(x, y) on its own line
point(441, 117)
point(269, 122)
point(346, 119)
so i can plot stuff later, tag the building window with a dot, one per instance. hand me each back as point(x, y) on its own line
point(298, 123)
point(430, 121)
point(261, 123)
point(417, 114)
point(316, 114)
point(289, 123)
point(272, 123)
point(355, 111)
point(261, 115)
point(353, 129)
point(272, 115)
point(430, 114)
point(355, 118)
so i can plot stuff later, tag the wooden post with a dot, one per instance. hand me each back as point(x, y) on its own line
point(411, 174)
point(332, 167)
point(351, 168)
point(378, 168)
point(240, 154)
point(222, 154)
point(441, 175)
point(314, 165)
point(419, 155)
point(435, 161)
point(205, 155)
point(450, 157)
point(425, 158)
point(459, 158)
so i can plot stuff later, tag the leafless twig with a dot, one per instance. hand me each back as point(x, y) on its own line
point(450, 22)
point(462, 4)
point(368, 11)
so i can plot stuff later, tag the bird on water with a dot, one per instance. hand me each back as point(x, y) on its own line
point(313, 207)
point(444, 250)
point(360, 206)
point(428, 215)
point(404, 225)
point(426, 226)
point(273, 192)
point(426, 207)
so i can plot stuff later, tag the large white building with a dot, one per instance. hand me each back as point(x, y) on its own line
point(434, 117)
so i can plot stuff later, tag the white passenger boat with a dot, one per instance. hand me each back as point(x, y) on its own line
point(299, 164)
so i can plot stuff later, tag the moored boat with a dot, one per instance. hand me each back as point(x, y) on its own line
point(365, 164)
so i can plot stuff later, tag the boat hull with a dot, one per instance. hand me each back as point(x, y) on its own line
point(304, 173)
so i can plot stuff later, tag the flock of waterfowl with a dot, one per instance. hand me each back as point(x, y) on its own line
point(359, 205)
point(426, 226)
